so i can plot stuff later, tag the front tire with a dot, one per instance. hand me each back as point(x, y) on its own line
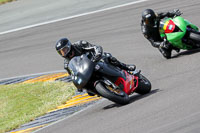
point(103, 90)
point(144, 85)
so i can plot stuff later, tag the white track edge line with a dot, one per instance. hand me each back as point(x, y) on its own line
point(70, 17)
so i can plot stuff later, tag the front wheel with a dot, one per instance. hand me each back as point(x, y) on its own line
point(117, 96)
point(144, 85)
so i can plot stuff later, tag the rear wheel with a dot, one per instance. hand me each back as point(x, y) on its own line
point(195, 36)
point(115, 95)
point(144, 85)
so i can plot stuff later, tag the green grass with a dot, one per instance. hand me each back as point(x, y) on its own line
point(5, 1)
point(21, 103)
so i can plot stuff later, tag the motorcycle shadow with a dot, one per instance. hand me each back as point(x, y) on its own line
point(133, 98)
point(187, 52)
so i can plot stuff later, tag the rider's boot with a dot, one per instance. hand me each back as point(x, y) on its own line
point(165, 52)
point(121, 65)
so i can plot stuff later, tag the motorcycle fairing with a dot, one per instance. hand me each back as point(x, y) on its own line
point(189, 24)
point(81, 69)
point(128, 85)
point(179, 27)
point(127, 82)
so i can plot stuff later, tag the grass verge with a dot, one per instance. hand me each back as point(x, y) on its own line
point(21, 103)
point(5, 1)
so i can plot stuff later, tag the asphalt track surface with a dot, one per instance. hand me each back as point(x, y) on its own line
point(172, 106)
point(28, 13)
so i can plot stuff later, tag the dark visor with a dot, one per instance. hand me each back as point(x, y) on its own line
point(64, 51)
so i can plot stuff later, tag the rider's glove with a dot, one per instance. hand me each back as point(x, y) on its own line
point(177, 12)
point(97, 57)
point(98, 53)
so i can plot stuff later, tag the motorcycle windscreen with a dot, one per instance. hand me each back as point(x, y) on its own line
point(81, 69)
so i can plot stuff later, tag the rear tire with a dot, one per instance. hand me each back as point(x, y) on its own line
point(144, 85)
point(106, 93)
point(194, 35)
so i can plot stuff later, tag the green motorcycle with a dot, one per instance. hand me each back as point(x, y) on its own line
point(180, 33)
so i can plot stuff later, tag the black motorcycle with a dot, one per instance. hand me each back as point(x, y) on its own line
point(106, 80)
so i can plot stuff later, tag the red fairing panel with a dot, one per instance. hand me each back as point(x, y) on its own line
point(128, 85)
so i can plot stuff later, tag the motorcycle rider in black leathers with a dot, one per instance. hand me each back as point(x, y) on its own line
point(150, 28)
point(68, 50)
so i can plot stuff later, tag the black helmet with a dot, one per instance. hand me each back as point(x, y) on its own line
point(63, 47)
point(148, 17)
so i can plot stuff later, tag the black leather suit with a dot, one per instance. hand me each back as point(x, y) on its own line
point(152, 33)
point(82, 47)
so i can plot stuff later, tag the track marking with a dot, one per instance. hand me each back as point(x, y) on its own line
point(49, 77)
point(77, 100)
point(71, 17)
point(29, 129)
point(30, 75)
